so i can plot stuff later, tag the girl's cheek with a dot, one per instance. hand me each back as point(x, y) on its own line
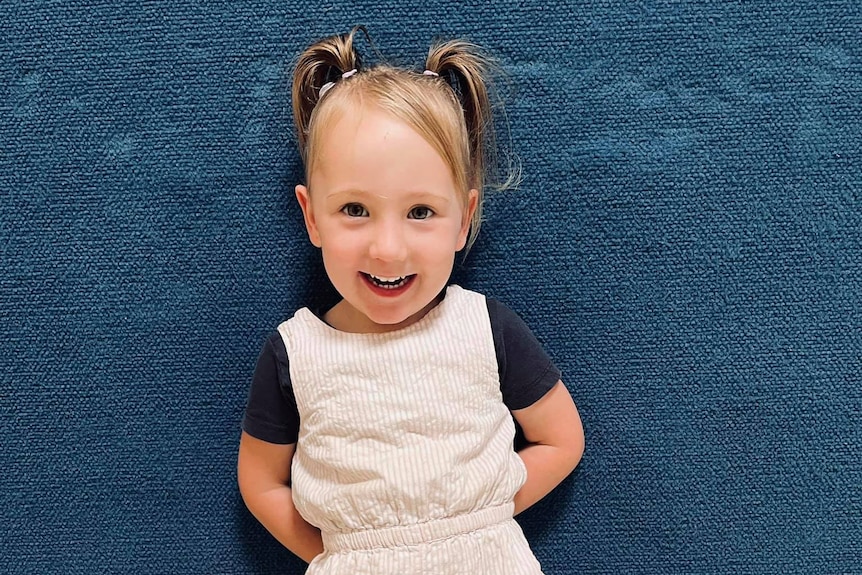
point(348, 239)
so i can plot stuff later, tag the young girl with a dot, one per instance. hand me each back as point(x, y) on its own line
point(378, 436)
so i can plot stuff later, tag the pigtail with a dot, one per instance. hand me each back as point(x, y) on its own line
point(468, 72)
point(323, 62)
point(463, 66)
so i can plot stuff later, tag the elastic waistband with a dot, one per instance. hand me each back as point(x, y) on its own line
point(419, 533)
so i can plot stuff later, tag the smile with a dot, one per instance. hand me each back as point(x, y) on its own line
point(389, 283)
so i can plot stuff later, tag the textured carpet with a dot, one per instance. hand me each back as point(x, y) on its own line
point(686, 243)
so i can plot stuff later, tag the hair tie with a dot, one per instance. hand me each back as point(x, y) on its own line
point(430, 73)
point(328, 86)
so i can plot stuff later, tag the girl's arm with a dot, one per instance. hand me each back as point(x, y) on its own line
point(552, 426)
point(263, 471)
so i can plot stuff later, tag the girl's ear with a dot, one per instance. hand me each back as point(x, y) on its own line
point(310, 223)
point(472, 203)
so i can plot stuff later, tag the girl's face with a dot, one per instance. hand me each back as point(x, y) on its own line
point(382, 206)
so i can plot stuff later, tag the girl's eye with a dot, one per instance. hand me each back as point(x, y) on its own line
point(420, 213)
point(355, 210)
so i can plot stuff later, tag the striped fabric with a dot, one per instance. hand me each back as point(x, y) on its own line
point(404, 458)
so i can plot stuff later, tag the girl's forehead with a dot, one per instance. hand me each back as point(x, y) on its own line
point(376, 152)
point(357, 141)
point(370, 135)
point(352, 120)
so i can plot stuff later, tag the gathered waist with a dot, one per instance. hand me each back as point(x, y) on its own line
point(416, 534)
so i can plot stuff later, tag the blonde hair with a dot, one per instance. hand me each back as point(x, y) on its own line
point(448, 106)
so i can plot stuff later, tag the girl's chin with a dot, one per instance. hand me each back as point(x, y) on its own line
point(366, 310)
point(391, 322)
point(393, 319)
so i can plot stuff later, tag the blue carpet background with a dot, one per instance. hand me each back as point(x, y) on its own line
point(686, 243)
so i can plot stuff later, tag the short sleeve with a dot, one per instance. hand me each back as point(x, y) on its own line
point(271, 414)
point(526, 371)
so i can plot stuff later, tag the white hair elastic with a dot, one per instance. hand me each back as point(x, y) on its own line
point(328, 86)
point(430, 73)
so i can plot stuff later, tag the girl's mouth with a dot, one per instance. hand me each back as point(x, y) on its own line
point(389, 284)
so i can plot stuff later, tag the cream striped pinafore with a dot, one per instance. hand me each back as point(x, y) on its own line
point(404, 458)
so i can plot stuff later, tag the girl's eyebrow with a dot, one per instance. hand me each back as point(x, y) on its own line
point(417, 196)
point(350, 195)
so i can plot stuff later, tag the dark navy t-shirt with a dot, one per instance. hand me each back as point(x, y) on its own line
point(526, 375)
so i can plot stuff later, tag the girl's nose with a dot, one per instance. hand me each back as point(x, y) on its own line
point(388, 243)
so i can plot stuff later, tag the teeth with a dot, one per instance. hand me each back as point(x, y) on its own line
point(388, 283)
point(388, 280)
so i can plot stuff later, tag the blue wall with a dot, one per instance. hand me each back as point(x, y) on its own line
point(686, 242)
